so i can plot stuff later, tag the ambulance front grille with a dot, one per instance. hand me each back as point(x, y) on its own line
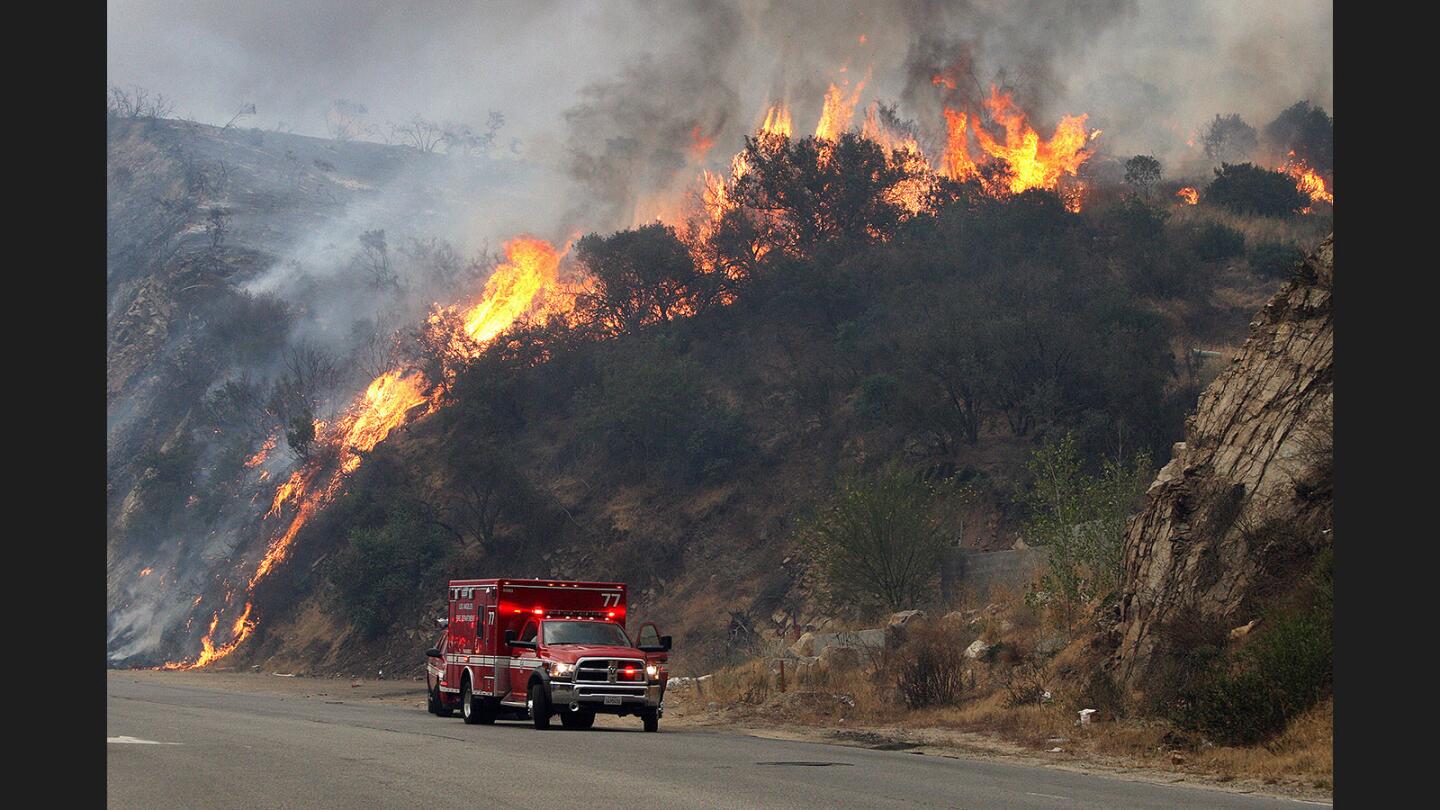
point(597, 670)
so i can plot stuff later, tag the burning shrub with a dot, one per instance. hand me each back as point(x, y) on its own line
point(1216, 242)
point(1245, 188)
point(641, 277)
point(818, 191)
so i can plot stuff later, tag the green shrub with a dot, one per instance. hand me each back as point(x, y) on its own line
point(382, 569)
point(1080, 519)
point(1254, 693)
point(1216, 242)
point(878, 545)
point(878, 394)
point(1274, 259)
point(1245, 188)
point(650, 414)
point(1135, 221)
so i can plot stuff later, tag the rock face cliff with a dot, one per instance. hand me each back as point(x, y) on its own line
point(1245, 502)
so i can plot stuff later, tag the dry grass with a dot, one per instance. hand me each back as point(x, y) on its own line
point(750, 693)
point(1306, 231)
point(1305, 750)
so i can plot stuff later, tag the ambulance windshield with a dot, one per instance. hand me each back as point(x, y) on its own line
point(571, 632)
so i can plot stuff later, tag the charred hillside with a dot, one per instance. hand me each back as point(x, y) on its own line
point(234, 262)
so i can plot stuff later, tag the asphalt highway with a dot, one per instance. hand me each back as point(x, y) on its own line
point(184, 746)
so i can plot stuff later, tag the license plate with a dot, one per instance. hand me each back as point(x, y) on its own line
point(612, 700)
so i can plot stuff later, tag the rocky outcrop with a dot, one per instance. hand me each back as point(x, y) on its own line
point(1245, 501)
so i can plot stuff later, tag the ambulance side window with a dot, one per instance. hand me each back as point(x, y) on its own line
point(528, 634)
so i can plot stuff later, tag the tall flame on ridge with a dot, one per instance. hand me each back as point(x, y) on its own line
point(518, 287)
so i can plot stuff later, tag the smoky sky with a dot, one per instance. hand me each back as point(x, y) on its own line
point(606, 93)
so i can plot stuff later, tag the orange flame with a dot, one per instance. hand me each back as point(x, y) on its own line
point(259, 458)
point(1034, 163)
point(838, 109)
point(1307, 180)
point(699, 144)
point(1188, 195)
point(777, 121)
point(956, 163)
point(531, 265)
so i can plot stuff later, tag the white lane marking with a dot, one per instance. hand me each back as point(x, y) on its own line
point(122, 739)
point(1047, 795)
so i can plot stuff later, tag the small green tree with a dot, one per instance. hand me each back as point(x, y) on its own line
point(878, 545)
point(1081, 518)
point(1142, 172)
point(1228, 139)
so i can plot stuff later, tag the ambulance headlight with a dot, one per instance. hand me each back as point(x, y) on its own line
point(651, 671)
point(561, 670)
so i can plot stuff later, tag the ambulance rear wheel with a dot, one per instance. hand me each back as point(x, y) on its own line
point(470, 705)
point(652, 720)
point(539, 706)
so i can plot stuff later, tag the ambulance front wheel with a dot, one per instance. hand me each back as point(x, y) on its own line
point(539, 705)
point(651, 719)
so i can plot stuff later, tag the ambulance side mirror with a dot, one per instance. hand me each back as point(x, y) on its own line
point(510, 636)
point(434, 652)
point(665, 643)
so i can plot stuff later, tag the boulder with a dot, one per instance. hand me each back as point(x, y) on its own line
point(1243, 630)
point(805, 645)
point(837, 657)
point(1047, 647)
point(901, 624)
point(980, 650)
point(872, 639)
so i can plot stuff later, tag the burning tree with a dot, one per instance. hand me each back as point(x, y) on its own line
point(813, 192)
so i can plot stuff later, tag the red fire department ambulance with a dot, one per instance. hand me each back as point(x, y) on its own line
point(520, 648)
